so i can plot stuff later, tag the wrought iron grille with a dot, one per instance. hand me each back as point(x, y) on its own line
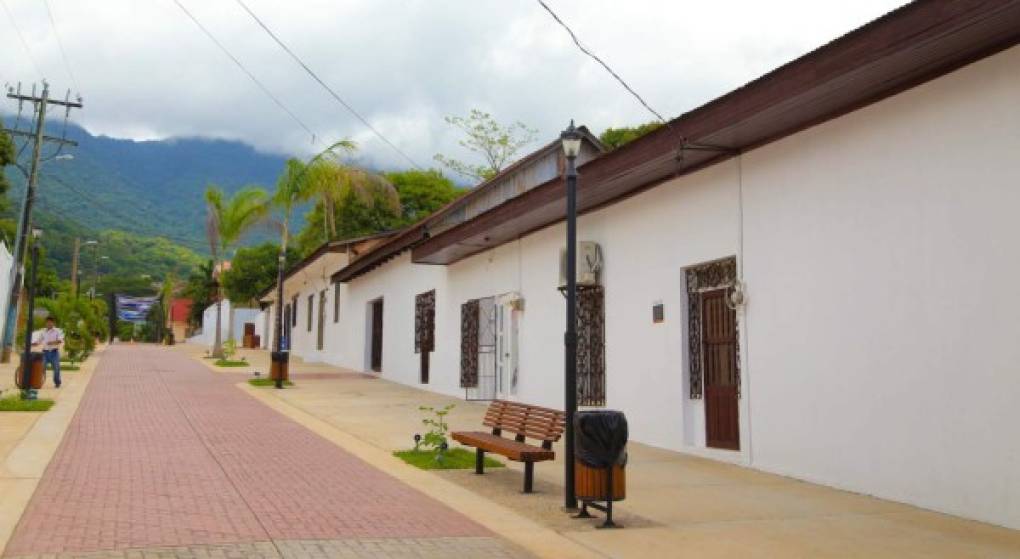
point(469, 344)
point(712, 275)
point(487, 381)
point(425, 321)
point(591, 346)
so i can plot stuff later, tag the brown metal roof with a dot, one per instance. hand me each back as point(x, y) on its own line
point(340, 245)
point(907, 47)
point(418, 232)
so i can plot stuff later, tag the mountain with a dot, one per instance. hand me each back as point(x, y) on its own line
point(151, 188)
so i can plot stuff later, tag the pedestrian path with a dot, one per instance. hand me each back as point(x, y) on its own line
point(167, 459)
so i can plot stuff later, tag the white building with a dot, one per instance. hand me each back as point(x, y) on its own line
point(865, 195)
point(232, 321)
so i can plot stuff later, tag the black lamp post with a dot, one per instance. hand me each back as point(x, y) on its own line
point(571, 139)
point(279, 357)
point(26, 359)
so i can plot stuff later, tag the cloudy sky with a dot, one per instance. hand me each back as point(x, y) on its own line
point(147, 72)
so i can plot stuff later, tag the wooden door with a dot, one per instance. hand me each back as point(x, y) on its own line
point(719, 354)
point(377, 333)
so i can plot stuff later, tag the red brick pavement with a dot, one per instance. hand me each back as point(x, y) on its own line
point(163, 452)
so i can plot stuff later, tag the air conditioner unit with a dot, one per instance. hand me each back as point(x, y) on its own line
point(589, 264)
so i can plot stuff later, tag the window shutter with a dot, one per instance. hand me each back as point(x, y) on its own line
point(591, 346)
point(425, 321)
point(469, 344)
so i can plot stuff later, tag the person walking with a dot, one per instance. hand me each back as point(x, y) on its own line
point(51, 339)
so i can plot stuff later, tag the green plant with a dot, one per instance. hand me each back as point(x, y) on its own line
point(434, 439)
point(229, 349)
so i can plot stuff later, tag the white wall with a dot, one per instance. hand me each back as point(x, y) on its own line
point(231, 323)
point(882, 266)
point(878, 343)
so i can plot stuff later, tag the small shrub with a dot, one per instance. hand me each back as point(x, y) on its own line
point(434, 439)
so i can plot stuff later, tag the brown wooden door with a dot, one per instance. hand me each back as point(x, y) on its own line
point(719, 351)
point(377, 332)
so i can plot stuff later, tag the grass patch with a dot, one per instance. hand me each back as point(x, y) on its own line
point(455, 459)
point(69, 368)
point(228, 363)
point(267, 382)
point(15, 403)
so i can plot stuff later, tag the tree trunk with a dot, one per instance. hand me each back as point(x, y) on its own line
point(217, 350)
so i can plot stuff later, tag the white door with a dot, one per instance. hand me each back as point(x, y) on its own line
point(506, 351)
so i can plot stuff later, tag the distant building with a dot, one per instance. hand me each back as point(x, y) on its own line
point(180, 308)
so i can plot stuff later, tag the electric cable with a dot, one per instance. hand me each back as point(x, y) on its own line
point(251, 76)
point(330, 90)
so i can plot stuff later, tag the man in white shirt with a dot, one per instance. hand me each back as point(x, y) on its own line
point(50, 339)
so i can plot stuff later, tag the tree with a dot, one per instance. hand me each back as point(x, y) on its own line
point(613, 138)
point(226, 222)
point(83, 322)
point(8, 156)
point(496, 143)
point(335, 185)
point(199, 288)
point(253, 270)
point(422, 192)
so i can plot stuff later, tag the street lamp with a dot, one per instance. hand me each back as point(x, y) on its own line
point(279, 358)
point(27, 393)
point(571, 139)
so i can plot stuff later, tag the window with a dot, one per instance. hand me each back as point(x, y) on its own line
point(320, 340)
point(336, 302)
point(293, 315)
point(311, 305)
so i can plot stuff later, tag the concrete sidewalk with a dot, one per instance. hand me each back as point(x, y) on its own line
point(28, 440)
point(677, 505)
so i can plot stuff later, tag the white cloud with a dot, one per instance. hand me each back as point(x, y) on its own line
point(147, 72)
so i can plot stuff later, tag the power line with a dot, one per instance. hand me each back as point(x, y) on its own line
point(248, 73)
point(603, 64)
point(63, 54)
point(24, 44)
point(323, 84)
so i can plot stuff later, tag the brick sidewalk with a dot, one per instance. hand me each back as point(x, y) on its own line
point(166, 457)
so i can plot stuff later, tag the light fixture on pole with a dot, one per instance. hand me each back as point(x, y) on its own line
point(571, 139)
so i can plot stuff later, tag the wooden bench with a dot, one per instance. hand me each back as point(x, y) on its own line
point(525, 422)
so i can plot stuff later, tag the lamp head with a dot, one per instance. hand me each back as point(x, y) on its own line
point(36, 232)
point(571, 139)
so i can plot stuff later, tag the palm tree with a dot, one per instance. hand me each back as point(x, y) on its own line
point(226, 221)
point(331, 181)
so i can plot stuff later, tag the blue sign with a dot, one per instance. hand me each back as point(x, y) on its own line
point(134, 309)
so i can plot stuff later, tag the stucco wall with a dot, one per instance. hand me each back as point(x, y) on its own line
point(882, 268)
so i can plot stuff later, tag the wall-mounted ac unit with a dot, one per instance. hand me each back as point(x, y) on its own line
point(589, 263)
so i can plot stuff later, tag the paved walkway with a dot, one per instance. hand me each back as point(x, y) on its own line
point(167, 459)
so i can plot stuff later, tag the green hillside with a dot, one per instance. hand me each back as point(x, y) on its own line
point(151, 188)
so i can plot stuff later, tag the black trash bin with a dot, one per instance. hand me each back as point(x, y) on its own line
point(600, 458)
point(279, 365)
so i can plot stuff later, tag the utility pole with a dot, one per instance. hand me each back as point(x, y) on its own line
point(24, 225)
point(74, 267)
